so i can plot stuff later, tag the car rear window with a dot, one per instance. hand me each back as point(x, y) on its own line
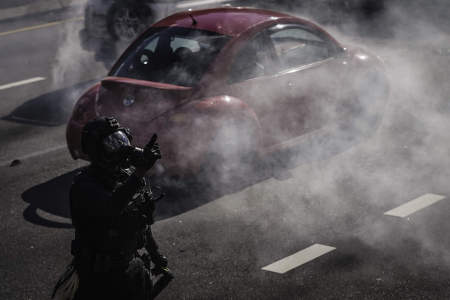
point(173, 55)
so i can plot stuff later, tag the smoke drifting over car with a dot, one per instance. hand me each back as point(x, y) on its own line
point(406, 157)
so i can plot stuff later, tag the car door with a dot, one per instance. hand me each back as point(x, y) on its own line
point(253, 77)
point(308, 66)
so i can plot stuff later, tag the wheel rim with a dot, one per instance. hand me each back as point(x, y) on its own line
point(127, 23)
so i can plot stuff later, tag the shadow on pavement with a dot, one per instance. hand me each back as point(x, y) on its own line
point(51, 197)
point(182, 195)
point(190, 193)
point(51, 109)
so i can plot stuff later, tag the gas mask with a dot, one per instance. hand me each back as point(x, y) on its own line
point(116, 148)
point(118, 151)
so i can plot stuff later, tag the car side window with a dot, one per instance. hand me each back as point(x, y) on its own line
point(178, 42)
point(296, 46)
point(152, 45)
point(254, 59)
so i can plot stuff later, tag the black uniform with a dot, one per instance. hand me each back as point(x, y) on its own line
point(112, 214)
point(112, 210)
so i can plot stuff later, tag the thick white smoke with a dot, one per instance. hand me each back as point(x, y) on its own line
point(347, 169)
point(74, 64)
point(344, 182)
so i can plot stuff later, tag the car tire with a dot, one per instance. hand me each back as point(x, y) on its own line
point(126, 19)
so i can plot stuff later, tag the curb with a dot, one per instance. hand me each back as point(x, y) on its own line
point(39, 6)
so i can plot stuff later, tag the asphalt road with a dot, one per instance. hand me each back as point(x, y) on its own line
point(218, 242)
point(52, 55)
point(14, 3)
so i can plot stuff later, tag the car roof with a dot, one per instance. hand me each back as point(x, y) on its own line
point(229, 21)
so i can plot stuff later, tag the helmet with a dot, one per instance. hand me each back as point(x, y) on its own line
point(103, 138)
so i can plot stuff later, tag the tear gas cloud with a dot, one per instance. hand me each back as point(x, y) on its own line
point(77, 60)
point(347, 170)
point(345, 179)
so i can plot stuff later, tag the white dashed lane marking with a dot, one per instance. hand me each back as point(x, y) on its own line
point(22, 82)
point(414, 205)
point(297, 259)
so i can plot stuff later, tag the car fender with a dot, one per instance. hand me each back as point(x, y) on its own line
point(224, 105)
point(362, 60)
point(370, 85)
point(198, 127)
point(367, 66)
point(215, 109)
point(83, 111)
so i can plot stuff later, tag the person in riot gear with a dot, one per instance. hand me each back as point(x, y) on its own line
point(112, 209)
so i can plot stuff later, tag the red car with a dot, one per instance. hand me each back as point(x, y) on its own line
point(228, 81)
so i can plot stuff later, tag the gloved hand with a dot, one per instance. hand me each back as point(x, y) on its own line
point(152, 152)
point(144, 159)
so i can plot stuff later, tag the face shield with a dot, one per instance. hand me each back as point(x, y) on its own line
point(115, 144)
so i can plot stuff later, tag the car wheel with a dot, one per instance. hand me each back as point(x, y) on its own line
point(96, 37)
point(126, 20)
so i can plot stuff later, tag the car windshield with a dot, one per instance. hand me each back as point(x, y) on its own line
point(173, 55)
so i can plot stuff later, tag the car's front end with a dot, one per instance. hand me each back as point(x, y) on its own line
point(150, 89)
point(83, 112)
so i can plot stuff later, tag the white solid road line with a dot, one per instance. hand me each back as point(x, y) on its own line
point(414, 205)
point(22, 82)
point(45, 25)
point(192, 4)
point(297, 259)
